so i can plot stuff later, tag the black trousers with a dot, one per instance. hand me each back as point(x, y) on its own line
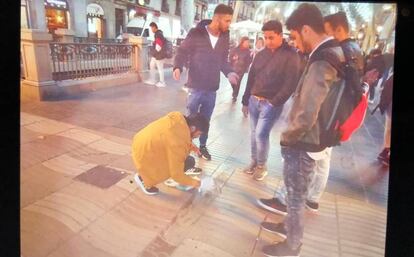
point(236, 87)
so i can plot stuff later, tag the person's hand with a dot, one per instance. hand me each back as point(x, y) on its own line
point(245, 110)
point(233, 78)
point(195, 149)
point(176, 74)
point(371, 76)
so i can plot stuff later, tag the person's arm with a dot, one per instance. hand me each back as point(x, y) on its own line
point(184, 50)
point(290, 80)
point(176, 158)
point(316, 85)
point(250, 81)
point(225, 64)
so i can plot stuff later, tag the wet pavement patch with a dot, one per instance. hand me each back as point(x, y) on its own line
point(101, 176)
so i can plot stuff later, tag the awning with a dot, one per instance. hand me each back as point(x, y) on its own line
point(137, 22)
point(94, 10)
point(57, 4)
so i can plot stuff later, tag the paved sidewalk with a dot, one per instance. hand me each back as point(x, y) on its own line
point(69, 143)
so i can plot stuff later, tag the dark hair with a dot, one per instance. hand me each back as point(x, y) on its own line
point(199, 121)
point(273, 25)
point(153, 24)
point(242, 40)
point(306, 14)
point(337, 19)
point(377, 63)
point(223, 9)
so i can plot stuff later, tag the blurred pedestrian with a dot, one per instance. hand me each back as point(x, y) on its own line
point(240, 60)
point(157, 57)
point(259, 46)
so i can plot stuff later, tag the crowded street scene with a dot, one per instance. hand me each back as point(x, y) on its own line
point(205, 128)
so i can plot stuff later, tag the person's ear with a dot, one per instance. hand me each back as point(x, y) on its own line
point(193, 129)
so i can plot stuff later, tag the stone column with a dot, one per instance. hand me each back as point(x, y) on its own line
point(78, 14)
point(38, 83)
point(37, 14)
point(141, 52)
point(187, 14)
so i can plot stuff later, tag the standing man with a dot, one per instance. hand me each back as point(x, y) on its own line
point(272, 79)
point(157, 57)
point(311, 108)
point(335, 25)
point(206, 50)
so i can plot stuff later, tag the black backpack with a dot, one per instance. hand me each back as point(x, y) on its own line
point(167, 49)
point(344, 108)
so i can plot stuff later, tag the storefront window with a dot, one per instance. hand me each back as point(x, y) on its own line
point(56, 18)
point(24, 17)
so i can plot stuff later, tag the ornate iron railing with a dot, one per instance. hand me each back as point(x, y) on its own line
point(81, 60)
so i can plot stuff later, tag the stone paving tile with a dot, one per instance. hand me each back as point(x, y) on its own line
point(26, 118)
point(191, 247)
point(91, 155)
point(39, 181)
point(39, 234)
point(80, 135)
point(49, 127)
point(79, 247)
point(116, 236)
point(105, 145)
point(27, 135)
point(44, 149)
point(67, 165)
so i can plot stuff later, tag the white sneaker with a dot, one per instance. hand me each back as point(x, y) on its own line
point(185, 89)
point(149, 82)
point(161, 84)
point(171, 183)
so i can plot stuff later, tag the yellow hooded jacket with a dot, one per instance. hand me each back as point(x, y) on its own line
point(160, 149)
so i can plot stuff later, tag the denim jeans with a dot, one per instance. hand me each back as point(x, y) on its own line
point(204, 102)
point(262, 118)
point(297, 170)
point(319, 178)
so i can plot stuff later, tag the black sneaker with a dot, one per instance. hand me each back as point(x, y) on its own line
point(312, 206)
point(140, 183)
point(273, 205)
point(234, 99)
point(204, 153)
point(280, 250)
point(193, 171)
point(276, 228)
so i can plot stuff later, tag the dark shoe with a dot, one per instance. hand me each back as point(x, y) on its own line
point(140, 183)
point(260, 173)
point(234, 99)
point(193, 171)
point(273, 205)
point(276, 228)
point(280, 250)
point(250, 169)
point(312, 206)
point(204, 153)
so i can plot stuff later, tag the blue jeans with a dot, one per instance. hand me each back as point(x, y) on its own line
point(297, 169)
point(262, 118)
point(204, 102)
point(319, 179)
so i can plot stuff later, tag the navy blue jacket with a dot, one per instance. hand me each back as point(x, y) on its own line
point(205, 62)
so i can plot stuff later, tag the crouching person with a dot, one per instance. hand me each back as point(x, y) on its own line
point(161, 150)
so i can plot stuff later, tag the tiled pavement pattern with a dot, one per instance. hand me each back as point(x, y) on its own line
point(61, 216)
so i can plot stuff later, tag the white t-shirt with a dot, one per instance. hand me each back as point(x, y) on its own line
point(213, 39)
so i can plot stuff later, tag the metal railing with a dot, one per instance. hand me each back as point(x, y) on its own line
point(81, 60)
point(96, 40)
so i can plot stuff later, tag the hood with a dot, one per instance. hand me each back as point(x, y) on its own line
point(203, 23)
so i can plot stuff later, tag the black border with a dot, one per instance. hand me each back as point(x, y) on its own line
point(400, 232)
